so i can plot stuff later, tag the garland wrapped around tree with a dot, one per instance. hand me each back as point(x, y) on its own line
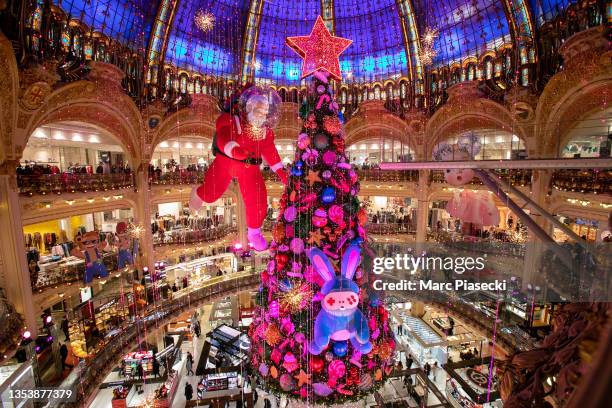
point(320, 334)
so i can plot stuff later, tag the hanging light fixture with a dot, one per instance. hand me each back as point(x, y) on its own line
point(204, 20)
point(427, 53)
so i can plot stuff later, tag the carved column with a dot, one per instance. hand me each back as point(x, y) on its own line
point(422, 194)
point(142, 214)
point(14, 273)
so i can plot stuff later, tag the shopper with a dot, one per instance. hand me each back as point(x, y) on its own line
point(434, 370)
point(427, 369)
point(64, 354)
point(65, 329)
point(140, 370)
point(409, 361)
point(155, 367)
point(188, 391)
point(189, 364)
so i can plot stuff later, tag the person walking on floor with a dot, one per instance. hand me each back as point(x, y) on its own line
point(139, 370)
point(189, 364)
point(434, 370)
point(155, 367)
point(427, 369)
point(188, 391)
point(409, 361)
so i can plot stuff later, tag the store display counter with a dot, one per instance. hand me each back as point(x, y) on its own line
point(165, 394)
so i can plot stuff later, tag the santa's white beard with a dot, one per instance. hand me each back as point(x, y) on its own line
point(256, 121)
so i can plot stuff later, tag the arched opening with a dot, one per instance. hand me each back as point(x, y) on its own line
point(591, 137)
point(73, 156)
point(369, 152)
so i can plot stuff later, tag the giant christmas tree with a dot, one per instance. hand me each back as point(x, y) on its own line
point(320, 334)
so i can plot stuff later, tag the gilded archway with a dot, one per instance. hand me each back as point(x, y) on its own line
point(468, 110)
point(99, 101)
point(583, 88)
point(196, 120)
point(374, 119)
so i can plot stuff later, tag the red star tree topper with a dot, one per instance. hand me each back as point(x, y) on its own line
point(320, 50)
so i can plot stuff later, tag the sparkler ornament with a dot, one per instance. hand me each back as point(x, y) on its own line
point(427, 52)
point(204, 20)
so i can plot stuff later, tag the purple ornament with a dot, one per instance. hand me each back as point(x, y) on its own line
point(297, 246)
point(322, 389)
point(329, 356)
point(320, 89)
point(326, 174)
point(290, 213)
point(330, 158)
point(263, 369)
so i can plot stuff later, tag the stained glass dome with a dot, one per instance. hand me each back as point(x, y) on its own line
point(248, 36)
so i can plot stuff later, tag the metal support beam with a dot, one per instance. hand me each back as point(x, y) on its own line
point(410, 34)
point(158, 40)
point(503, 164)
point(328, 15)
point(250, 40)
point(523, 216)
point(540, 210)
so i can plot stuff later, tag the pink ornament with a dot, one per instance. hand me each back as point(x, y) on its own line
point(336, 214)
point(319, 218)
point(276, 356)
point(336, 369)
point(290, 362)
point(297, 246)
point(274, 309)
point(299, 337)
point(310, 156)
point(303, 141)
point(303, 392)
point(326, 174)
point(287, 326)
point(329, 158)
point(290, 214)
point(289, 231)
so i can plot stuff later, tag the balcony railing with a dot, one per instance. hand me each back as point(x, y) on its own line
point(183, 236)
point(44, 184)
point(583, 181)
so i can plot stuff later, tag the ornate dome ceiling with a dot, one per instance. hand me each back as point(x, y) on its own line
point(248, 35)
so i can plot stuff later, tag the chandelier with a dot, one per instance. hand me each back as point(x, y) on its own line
point(204, 20)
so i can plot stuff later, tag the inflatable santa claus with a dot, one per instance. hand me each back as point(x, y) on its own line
point(243, 139)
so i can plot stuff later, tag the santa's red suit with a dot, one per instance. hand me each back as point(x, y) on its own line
point(240, 149)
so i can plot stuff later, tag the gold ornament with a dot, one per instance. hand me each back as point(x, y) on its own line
point(273, 335)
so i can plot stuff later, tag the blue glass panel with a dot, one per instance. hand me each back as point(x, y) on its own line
point(128, 21)
point(378, 50)
point(466, 27)
point(215, 52)
point(546, 10)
